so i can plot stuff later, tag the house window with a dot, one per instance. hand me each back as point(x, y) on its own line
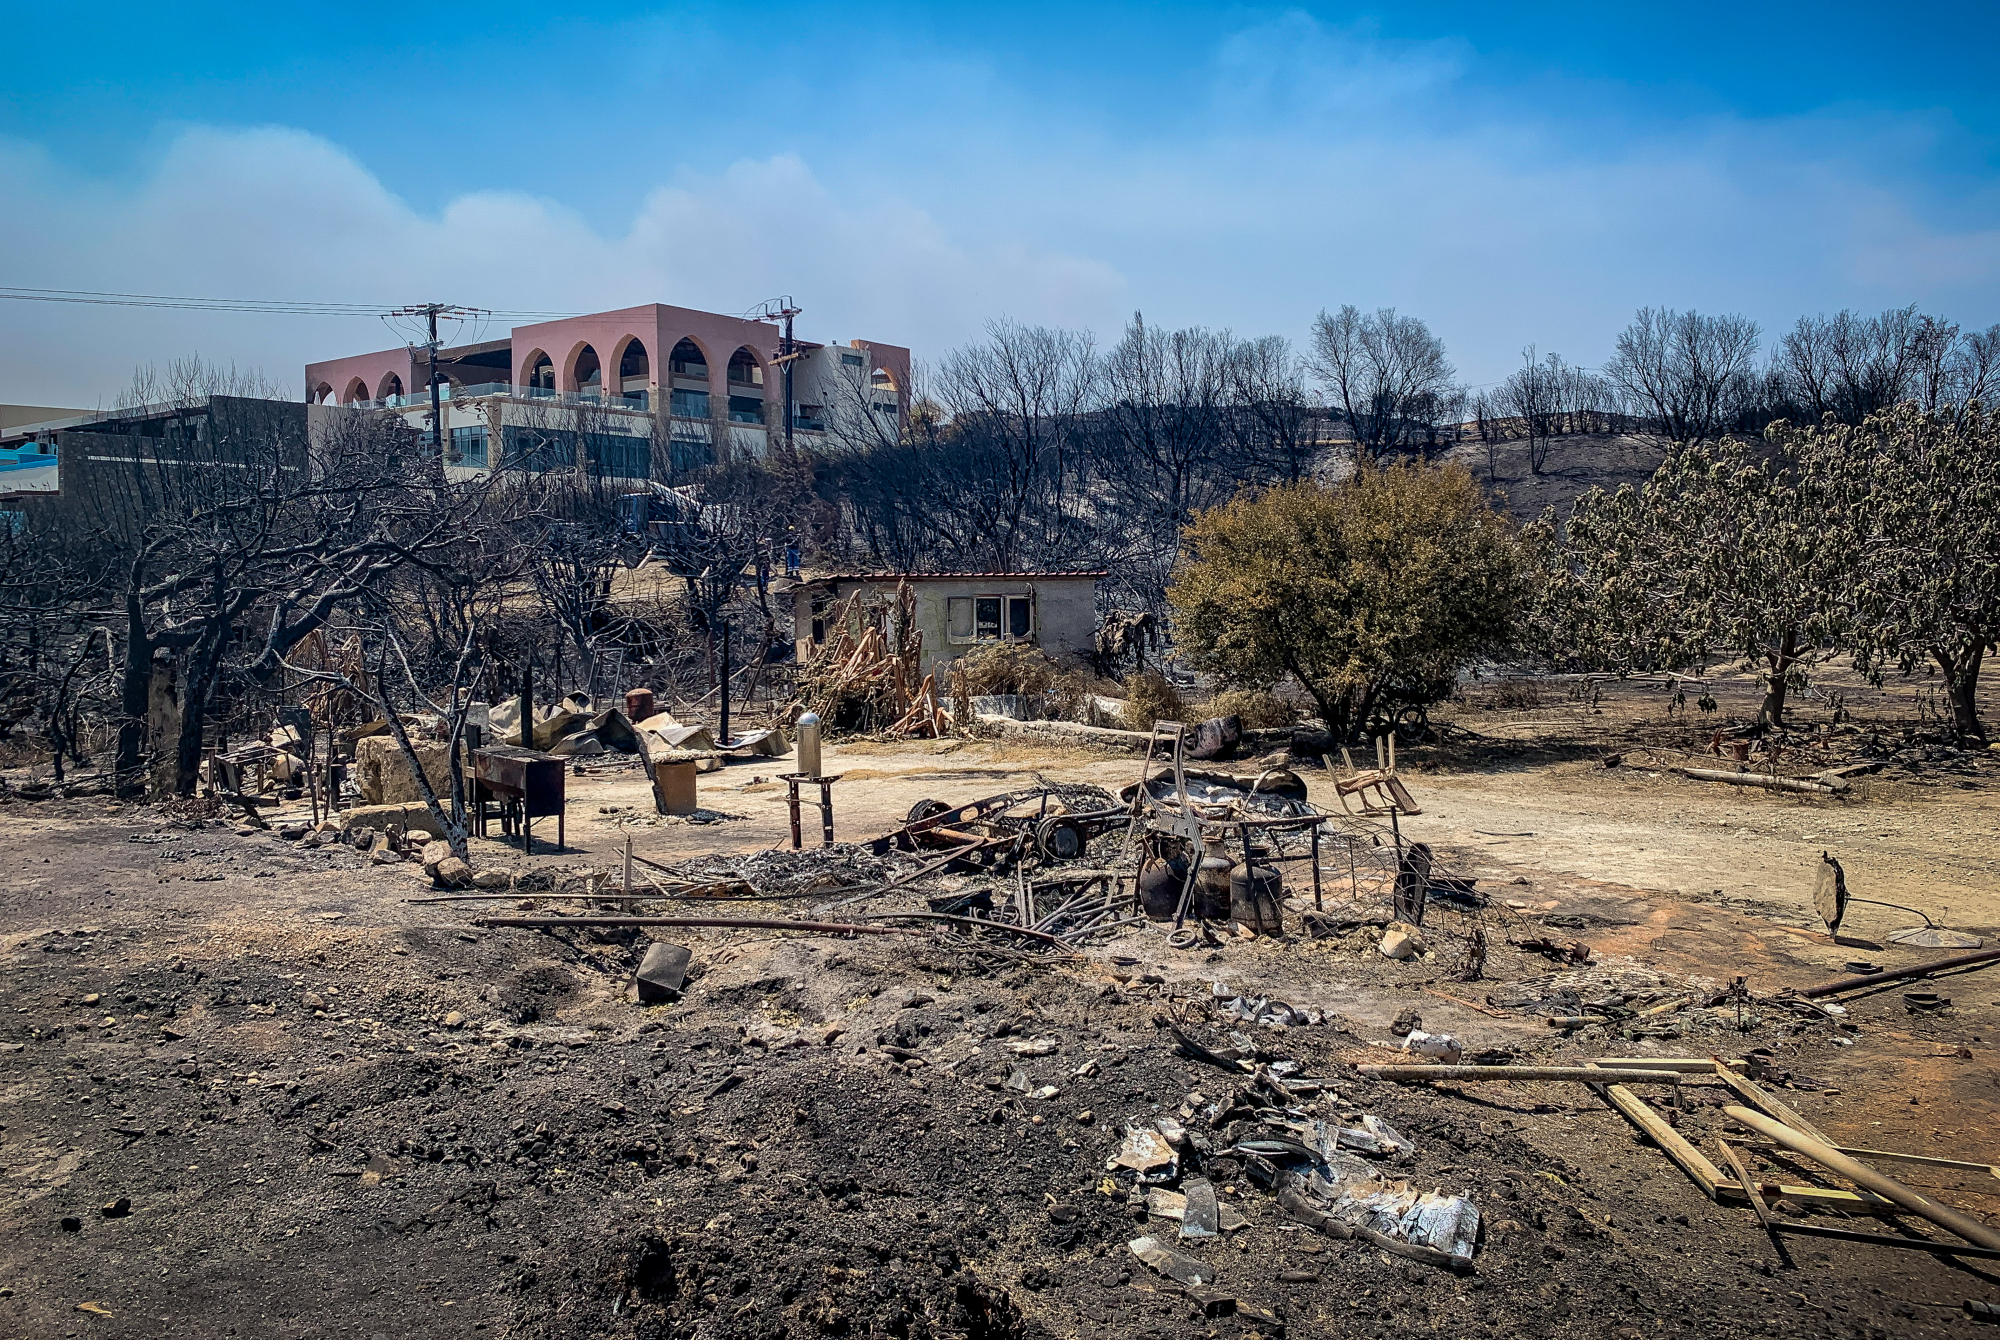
point(468, 446)
point(852, 360)
point(988, 618)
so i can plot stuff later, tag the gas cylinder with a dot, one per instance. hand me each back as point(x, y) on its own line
point(1160, 887)
point(1256, 899)
point(1211, 881)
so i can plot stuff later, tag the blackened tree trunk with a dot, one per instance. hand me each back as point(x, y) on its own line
point(1781, 660)
point(1961, 686)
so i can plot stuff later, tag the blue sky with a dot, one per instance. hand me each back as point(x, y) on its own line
point(1513, 174)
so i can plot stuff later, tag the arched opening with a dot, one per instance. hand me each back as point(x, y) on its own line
point(746, 387)
point(586, 373)
point(540, 377)
point(322, 393)
point(632, 362)
point(391, 385)
point(356, 392)
point(883, 380)
point(634, 374)
point(688, 361)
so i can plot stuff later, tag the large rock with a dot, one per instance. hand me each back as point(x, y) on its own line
point(411, 817)
point(452, 873)
point(383, 772)
point(435, 854)
point(493, 879)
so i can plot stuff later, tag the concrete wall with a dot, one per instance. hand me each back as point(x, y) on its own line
point(1065, 610)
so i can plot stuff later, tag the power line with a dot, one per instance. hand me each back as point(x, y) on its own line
point(267, 306)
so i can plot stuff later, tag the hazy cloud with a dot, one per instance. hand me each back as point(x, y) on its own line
point(1315, 166)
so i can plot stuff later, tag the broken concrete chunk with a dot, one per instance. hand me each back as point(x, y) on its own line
point(1441, 1047)
point(662, 973)
point(1400, 940)
point(493, 879)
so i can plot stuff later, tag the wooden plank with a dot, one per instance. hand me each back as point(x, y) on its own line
point(1757, 1096)
point(1774, 1226)
point(1944, 1216)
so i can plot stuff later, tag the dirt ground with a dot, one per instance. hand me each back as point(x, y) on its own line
point(248, 1088)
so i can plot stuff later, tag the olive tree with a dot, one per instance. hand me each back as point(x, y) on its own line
point(1398, 574)
point(1924, 489)
point(1729, 548)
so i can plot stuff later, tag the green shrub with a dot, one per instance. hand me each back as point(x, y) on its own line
point(1149, 698)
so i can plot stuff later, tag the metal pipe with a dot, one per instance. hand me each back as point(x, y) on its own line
point(1840, 984)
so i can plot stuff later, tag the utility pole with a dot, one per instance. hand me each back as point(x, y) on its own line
point(431, 311)
point(785, 350)
point(782, 309)
point(437, 409)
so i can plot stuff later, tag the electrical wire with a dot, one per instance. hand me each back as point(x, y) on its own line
point(268, 306)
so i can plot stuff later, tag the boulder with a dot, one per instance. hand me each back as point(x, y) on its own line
point(411, 817)
point(452, 873)
point(383, 772)
point(493, 879)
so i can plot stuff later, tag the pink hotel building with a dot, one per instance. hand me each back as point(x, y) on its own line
point(711, 382)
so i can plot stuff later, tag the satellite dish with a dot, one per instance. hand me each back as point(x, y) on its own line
point(1830, 893)
point(1830, 901)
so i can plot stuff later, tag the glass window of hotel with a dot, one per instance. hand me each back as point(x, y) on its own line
point(468, 446)
point(688, 361)
point(743, 369)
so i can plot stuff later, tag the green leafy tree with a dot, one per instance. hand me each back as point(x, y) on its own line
point(1924, 489)
point(1733, 548)
point(1400, 574)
